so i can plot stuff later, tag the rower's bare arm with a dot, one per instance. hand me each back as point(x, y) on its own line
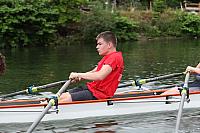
point(97, 75)
point(195, 70)
point(93, 70)
point(198, 66)
point(74, 78)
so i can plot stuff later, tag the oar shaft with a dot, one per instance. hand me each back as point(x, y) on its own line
point(186, 80)
point(13, 94)
point(180, 112)
point(164, 77)
point(37, 121)
point(183, 95)
point(63, 88)
point(143, 81)
point(125, 85)
point(50, 85)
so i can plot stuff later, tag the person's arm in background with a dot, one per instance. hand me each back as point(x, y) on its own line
point(2, 64)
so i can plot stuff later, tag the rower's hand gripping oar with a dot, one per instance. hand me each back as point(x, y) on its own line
point(184, 93)
point(49, 105)
point(143, 81)
point(33, 89)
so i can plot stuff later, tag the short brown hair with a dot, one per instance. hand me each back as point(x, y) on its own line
point(108, 36)
point(2, 64)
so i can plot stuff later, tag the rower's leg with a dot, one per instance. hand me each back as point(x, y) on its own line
point(65, 97)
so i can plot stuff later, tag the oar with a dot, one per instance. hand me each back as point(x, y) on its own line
point(184, 92)
point(150, 88)
point(46, 109)
point(33, 89)
point(143, 81)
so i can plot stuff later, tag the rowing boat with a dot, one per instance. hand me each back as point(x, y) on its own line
point(22, 111)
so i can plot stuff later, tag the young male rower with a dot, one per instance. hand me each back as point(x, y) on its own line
point(2, 64)
point(104, 78)
point(193, 86)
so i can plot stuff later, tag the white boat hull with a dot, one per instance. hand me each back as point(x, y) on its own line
point(121, 106)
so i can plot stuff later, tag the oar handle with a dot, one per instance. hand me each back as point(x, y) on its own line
point(63, 88)
point(186, 81)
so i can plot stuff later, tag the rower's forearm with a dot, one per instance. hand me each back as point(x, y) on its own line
point(198, 66)
point(197, 70)
point(91, 76)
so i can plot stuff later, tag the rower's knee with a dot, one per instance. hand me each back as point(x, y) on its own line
point(65, 97)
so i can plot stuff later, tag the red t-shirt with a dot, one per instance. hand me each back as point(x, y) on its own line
point(106, 88)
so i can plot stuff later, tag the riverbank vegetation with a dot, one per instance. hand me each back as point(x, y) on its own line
point(46, 22)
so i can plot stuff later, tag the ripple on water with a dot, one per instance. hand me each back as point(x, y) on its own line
point(157, 122)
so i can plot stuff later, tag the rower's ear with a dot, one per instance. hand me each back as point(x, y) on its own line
point(110, 45)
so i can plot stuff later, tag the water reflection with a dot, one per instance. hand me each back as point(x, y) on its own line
point(156, 122)
point(38, 66)
point(105, 131)
point(105, 124)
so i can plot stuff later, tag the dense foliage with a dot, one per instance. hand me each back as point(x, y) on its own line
point(191, 24)
point(45, 22)
point(27, 22)
point(100, 20)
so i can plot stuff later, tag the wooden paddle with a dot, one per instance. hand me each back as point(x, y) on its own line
point(143, 81)
point(33, 89)
point(49, 105)
point(184, 92)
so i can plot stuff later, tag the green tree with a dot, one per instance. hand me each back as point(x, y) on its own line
point(27, 22)
point(191, 24)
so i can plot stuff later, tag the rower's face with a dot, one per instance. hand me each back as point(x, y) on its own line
point(102, 47)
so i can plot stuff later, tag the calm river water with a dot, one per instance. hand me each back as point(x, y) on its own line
point(38, 66)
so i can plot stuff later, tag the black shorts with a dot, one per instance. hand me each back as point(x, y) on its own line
point(196, 83)
point(194, 86)
point(81, 93)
